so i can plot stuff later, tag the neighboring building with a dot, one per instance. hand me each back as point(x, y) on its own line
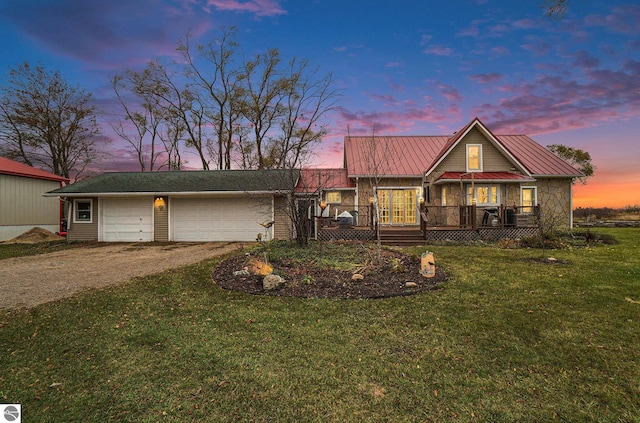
point(22, 206)
point(466, 181)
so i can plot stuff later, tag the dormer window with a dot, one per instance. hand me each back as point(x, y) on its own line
point(474, 157)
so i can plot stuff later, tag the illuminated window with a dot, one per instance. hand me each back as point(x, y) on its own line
point(484, 195)
point(444, 196)
point(474, 157)
point(528, 199)
point(333, 197)
point(83, 211)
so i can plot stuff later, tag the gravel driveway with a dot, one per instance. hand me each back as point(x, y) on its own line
point(33, 280)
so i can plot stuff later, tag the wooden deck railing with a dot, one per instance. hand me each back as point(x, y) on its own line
point(474, 217)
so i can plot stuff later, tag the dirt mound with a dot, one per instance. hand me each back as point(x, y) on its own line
point(35, 235)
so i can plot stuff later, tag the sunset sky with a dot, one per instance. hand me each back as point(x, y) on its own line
point(407, 67)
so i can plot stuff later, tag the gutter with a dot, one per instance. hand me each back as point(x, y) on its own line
point(163, 193)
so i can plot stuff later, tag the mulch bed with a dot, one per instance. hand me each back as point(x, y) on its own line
point(387, 279)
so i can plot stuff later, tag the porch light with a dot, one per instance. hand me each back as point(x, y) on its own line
point(371, 199)
point(323, 205)
point(421, 200)
point(159, 203)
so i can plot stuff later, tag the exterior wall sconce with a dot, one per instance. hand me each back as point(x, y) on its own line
point(159, 203)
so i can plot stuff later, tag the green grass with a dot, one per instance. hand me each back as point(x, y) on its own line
point(506, 339)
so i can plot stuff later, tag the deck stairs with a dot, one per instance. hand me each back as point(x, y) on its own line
point(401, 236)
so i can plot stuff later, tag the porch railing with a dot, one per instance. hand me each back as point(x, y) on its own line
point(474, 217)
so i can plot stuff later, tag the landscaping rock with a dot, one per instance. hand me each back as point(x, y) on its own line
point(357, 277)
point(271, 282)
point(410, 285)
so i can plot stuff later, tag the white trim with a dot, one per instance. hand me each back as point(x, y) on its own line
point(75, 210)
point(475, 193)
point(480, 157)
point(492, 139)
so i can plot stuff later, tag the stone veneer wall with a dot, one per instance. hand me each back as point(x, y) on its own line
point(554, 197)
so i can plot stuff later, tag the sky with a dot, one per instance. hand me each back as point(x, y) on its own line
point(404, 67)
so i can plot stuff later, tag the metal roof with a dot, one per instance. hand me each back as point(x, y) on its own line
point(314, 180)
point(202, 181)
point(412, 156)
point(390, 156)
point(11, 167)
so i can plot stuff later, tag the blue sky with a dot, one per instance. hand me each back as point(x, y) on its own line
point(405, 67)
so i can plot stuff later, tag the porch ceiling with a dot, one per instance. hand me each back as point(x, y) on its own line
point(495, 177)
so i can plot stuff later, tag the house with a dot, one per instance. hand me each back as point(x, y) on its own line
point(473, 182)
point(220, 205)
point(470, 180)
point(22, 206)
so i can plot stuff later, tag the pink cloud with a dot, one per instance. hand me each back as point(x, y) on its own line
point(439, 50)
point(622, 19)
point(257, 7)
point(450, 93)
point(486, 78)
point(553, 103)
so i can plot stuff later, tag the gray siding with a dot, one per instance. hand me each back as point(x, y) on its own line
point(492, 159)
point(83, 231)
point(283, 227)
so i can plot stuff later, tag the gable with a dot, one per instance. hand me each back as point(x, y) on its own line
point(493, 160)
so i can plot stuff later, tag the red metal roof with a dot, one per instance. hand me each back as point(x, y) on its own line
point(314, 180)
point(484, 177)
point(391, 156)
point(538, 160)
point(10, 167)
point(414, 155)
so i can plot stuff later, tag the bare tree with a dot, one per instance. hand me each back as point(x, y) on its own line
point(307, 100)
point(262, 101)
point(181, 104)
point(555, 9)
point(141, 126)
point(377, 160)
point(47, 123)
point(220, 85)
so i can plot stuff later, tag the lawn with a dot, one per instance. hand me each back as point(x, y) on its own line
point(505, 339)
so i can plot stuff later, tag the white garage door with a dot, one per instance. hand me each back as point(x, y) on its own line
point(127, 219)
point(218, 219)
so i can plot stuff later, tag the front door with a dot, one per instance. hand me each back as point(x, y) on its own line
point(397, 206)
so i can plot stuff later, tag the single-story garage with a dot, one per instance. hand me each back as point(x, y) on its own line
point(217, 205)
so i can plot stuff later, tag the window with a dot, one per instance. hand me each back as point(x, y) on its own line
point(333, 197)
point(83, 211)
point(444, 196)
point(528, 199)
point(484, 195)
point(474, 157)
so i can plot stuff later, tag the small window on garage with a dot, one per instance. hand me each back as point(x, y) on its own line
point(83, 211)
point(333, 197)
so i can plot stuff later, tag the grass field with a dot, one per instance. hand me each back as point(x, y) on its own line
point(505, 339)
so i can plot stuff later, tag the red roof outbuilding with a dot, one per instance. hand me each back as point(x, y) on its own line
point(11, 167)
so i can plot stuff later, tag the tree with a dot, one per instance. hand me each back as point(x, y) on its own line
point(141, 125)
point(555, 8)
point(220, 85)
point(577, 158)
point(47, 123)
